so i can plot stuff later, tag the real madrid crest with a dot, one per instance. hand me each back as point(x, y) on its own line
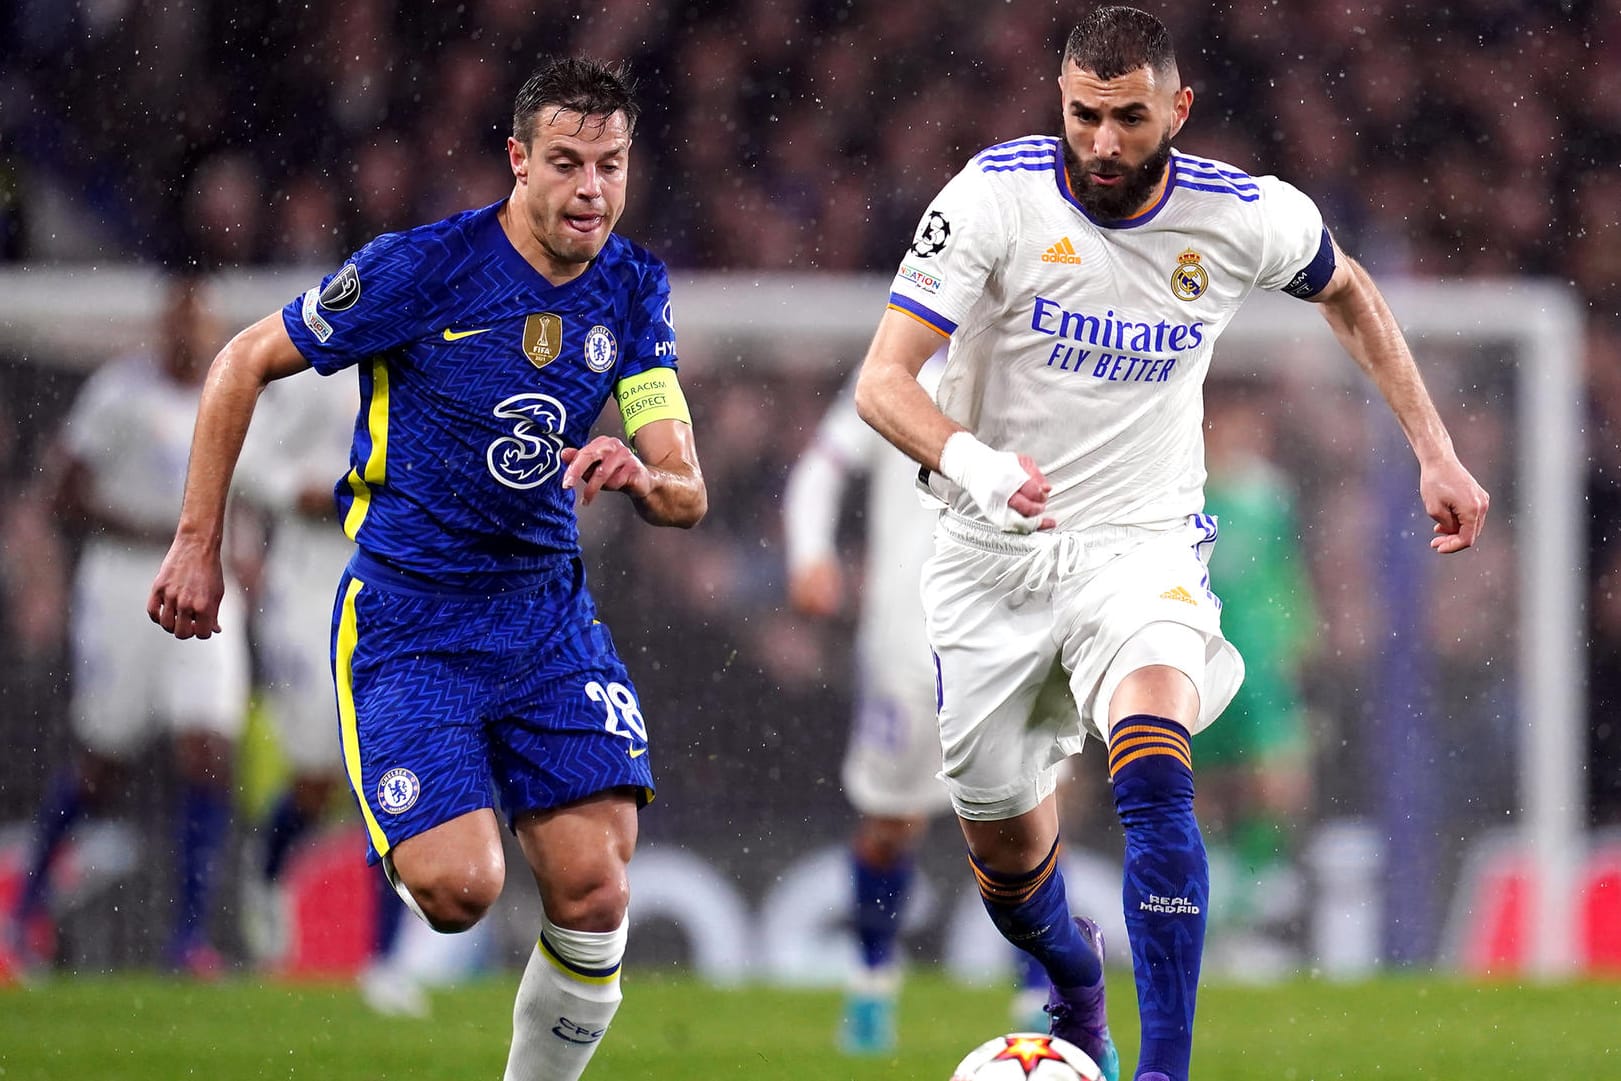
point(1189, 280)
point(542, 338)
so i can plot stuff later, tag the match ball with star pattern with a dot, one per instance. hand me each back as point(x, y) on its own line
point(1027, 1056)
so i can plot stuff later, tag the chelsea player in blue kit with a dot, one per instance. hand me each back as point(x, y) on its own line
point(470, 669)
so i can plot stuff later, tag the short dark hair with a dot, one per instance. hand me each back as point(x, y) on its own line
point(1111, 41)
point(575, 84)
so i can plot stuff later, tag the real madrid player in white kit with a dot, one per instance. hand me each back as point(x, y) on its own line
point(892, 757)
point(122, 462)
point(1082, 282)
point(298, 442)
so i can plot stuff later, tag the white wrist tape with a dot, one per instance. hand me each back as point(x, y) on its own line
point(990, 477)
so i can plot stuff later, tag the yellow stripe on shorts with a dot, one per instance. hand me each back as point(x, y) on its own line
point(348, 730)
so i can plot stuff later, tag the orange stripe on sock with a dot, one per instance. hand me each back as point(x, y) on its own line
point(1005, 893)
point(1182, 757)
point(1149, 729)
point(1131, 743)
point(1118, 758)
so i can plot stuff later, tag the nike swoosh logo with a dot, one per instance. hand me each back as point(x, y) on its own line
point(638, 752)
point(458, 335)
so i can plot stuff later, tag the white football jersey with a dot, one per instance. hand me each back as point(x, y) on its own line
point(1085, 344)
point(899, 529)
point(300, 438)
point(131, 428)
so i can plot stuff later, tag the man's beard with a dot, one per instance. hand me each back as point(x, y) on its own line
point(1115, 201)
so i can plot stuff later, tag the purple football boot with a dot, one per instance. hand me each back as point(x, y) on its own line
point(1082, 1015)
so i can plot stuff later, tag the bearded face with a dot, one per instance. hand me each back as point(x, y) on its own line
point(1111, 190)
point(1117, 135)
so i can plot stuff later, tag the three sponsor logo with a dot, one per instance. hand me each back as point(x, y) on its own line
point(532, 449)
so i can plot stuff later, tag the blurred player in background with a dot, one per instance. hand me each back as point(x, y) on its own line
point(119, 470)
point(1082, 281)
point(469, 662)
point(298, 443)
point(1254, 776)
point(892, 761)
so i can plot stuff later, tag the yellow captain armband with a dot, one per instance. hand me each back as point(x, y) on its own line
point(649, 396)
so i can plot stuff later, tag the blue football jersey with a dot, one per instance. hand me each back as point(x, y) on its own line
point(475, 372)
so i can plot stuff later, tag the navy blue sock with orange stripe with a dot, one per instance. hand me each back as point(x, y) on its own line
point(1167, 883)
point(1032, 912)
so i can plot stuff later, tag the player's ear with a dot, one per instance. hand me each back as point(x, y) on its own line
point(1180, 108)
point(518, 158)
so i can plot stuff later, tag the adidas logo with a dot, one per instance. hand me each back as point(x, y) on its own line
point(1061, 252)
point(1179, 594)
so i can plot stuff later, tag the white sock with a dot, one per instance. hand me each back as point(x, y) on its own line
point(568, 995)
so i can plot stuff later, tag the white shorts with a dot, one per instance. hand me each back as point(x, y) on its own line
point(1031, 634)
point(130, 679)
point(295, 638)
point(892, 762)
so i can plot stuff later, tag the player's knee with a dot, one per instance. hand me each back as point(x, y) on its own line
point(597, 903)
point(454, 898)
point(885, 842)
point(312, 793)
point(204, 758)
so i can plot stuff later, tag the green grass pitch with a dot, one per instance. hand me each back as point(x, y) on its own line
point(138, 1028)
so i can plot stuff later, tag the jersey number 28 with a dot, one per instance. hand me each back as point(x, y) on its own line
point(624, 713)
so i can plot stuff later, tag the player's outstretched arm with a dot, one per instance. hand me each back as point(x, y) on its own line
point(810, 517)
point(185, 597)
point(1362, 321)
point(661, 477)
point(1007, 487)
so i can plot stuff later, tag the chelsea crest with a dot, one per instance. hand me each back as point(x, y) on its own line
point(600, 348)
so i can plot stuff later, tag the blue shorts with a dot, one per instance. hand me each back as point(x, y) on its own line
point(450, 702)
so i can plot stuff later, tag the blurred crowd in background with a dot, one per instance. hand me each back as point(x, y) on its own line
point(1475, 140)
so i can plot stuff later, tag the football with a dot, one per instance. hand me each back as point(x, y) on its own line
point(1026, 1056)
